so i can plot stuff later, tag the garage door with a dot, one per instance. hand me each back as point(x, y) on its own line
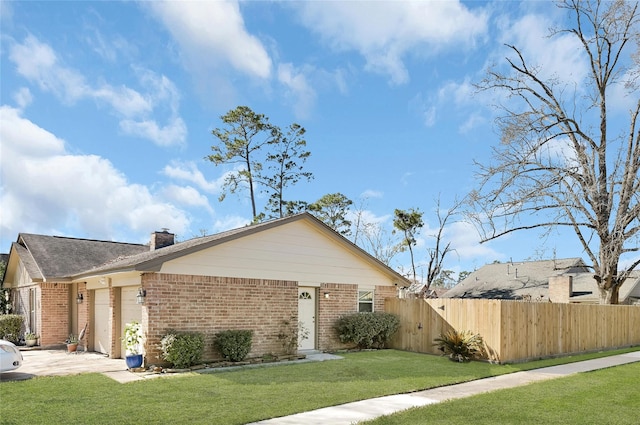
point(130, 310)
point(101, 342)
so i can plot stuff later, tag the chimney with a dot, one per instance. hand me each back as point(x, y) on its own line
point(161, 239)
point(560, 288)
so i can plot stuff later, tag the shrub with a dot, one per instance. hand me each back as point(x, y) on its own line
point(460, 346)
point(10, 326)
point(182, 349)
point(233, 345)
point(367, 330)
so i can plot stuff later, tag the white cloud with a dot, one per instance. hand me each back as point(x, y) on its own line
point(186, 195)
point(149, 129)
point(38, 63)
point(46, 189)
point(466, 243)
point(189, 172)
point(297, 87)
point(385, 32)
point(230, 222)
point(23, 97)
point(212, 34)
point(559, 57)
point(370, 193)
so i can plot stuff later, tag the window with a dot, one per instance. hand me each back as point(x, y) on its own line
point(365, 301)
point(305, 296)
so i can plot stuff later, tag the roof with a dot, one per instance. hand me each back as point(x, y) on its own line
point(514, 280)
point(585, 288)
point(531, 279)
point(152, 260)
point(48, 258)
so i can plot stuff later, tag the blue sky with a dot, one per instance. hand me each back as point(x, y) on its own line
point(107, 110)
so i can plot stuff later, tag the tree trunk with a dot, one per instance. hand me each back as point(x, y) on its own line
point(609, 290)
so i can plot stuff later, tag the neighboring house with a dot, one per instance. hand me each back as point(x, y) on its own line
point(263, 277)
point(565, 280)
point(419, 290)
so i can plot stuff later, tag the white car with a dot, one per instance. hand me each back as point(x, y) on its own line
point(10, 357)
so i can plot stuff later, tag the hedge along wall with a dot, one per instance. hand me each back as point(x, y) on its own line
point(514, 330)
point(212, 304)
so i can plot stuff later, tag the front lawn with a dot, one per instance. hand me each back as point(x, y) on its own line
point(607, 396)
point(240, 396)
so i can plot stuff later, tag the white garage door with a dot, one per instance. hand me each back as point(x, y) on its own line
point(101, 320)
point(130, 310)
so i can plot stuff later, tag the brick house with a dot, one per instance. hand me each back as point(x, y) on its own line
point(263, 277)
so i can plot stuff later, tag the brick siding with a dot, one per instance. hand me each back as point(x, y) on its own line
point(382, 292)
point(343, 299)
point(84, 314)
point(209, 305)
point(54, 310)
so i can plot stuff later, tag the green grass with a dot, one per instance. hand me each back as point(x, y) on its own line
point(240, 396)
point(608, 396)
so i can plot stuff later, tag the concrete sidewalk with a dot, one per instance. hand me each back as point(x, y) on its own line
point(350, 413)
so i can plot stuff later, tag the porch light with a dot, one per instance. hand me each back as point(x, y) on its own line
point(79, 298)
point(142, 293)
point(326, 295)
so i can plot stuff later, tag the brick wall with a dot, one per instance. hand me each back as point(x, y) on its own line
point(84, 313)
point(54, 307)
point(382, 292)
point(209, 305)
point(343, 299)
point(560, 288)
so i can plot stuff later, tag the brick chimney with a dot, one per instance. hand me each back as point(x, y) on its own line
point(161, 239)
point(560, 289)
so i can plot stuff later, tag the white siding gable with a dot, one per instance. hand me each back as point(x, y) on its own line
point(296, 251)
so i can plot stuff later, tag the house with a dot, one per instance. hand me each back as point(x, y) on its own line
point(263, 277)
point(562, 280)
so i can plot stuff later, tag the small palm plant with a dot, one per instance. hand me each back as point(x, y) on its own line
point(460, 346)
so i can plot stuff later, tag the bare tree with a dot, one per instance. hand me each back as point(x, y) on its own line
point(438, 253)
point(377, 241)
point(560, 163)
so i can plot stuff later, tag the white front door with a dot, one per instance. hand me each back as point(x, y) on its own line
point(101, 337)
point(306, 318)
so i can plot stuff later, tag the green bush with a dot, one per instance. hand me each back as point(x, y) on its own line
point(182, 349)
point(10, 326)
point(233, 345)
point(460, 346)
point(367, 330)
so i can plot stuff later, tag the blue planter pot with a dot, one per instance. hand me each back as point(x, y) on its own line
point(134, 361)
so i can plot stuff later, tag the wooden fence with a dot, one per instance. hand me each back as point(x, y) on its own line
point(513, 330)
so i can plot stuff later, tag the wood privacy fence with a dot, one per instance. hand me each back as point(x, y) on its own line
point(514, 330)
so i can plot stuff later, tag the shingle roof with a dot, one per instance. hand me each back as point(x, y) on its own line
point(531, 278)
point(58, 258)
point(514, 280)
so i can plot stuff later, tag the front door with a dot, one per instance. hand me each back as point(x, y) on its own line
point(306, 318)
point(101, 341)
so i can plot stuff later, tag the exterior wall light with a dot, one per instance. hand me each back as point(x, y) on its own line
point(326, 295)
point(142, 293)
point(79, 298)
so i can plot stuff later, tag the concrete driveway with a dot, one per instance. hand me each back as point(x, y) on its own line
point(59, 362)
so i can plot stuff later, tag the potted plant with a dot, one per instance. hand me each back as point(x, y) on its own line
point(72, 343)
point(31, 339)
point(133, 344)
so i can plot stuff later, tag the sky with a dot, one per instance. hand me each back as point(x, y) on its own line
point(107, 109)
